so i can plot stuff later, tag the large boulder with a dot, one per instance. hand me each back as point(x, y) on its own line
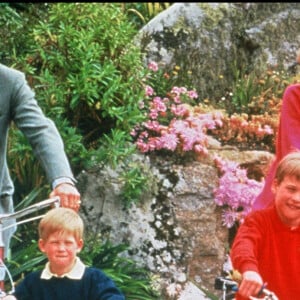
point(215, 41)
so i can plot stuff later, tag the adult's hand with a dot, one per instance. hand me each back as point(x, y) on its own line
point(68, 194)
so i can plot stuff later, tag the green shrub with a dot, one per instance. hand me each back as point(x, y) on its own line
point(134, 281)
point(87, 76)
point(141, 13)
point(86, 68)
point(16, 21)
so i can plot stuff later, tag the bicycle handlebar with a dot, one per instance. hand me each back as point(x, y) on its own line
point(34, 207)
point(227, 284)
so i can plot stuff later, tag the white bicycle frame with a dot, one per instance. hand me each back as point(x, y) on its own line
point(16, 215)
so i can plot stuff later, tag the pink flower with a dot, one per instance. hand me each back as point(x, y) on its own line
point(159, 104)
point(179, 90)
point(153, 66)
point(153, 125)
point(236, 192)
point(200, 149)
point(168, 141)
point(133, 132)
point(192, 94)
point(142, 146)
point(180, 110)
point(229, 217)
point(153, 114)
point(149, 90)
point(153, 143)
point(179, 125)
point(268, 129)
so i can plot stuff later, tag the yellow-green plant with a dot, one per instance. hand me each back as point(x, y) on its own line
point(144, 11)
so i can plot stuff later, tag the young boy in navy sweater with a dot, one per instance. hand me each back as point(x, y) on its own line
point(64, 276)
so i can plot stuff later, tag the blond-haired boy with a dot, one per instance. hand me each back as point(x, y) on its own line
point(64, 276)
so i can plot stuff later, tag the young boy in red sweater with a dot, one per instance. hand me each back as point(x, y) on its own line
point(266, 248)
point(64, 276)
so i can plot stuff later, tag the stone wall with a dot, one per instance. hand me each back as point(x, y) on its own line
point(176, 230)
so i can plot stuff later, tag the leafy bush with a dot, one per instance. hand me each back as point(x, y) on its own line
point(132, 279)
point(86, 68)
point(141, 13)
point(87, 76)
point(16, 20)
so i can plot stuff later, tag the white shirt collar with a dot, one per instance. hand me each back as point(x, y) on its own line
point(75, 273)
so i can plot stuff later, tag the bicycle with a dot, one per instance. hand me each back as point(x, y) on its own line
point(16, 215)
point(229, 287)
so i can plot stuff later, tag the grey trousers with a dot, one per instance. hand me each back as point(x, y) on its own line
point(6, 207)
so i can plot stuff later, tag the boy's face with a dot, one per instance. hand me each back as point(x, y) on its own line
point(287, 200)
point(61, 249)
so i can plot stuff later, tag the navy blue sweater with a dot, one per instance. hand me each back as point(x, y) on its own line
point(94, 285)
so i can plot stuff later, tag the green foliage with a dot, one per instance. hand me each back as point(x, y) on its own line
point(136, 180)
point(16, 19)
point(115, 147)
point(11, 21)
point(162, 81)
point(129, 277)
point(253, 92)
point(87, 68)
point(27, 232)
point(87, 76)
point(141, 13)
point(25, 256)
point(26, 259)
point(25, 170)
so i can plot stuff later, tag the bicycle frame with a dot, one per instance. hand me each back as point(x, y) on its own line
point(16, 215)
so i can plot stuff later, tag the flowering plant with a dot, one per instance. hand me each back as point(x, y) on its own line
point(235, 193)
point(172, 123)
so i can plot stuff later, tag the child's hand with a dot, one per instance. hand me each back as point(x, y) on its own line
point(251, 284)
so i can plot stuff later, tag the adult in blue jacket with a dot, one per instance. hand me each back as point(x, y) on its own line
point(18, 105)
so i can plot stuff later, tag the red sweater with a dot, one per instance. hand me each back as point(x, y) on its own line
point(265, 245)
